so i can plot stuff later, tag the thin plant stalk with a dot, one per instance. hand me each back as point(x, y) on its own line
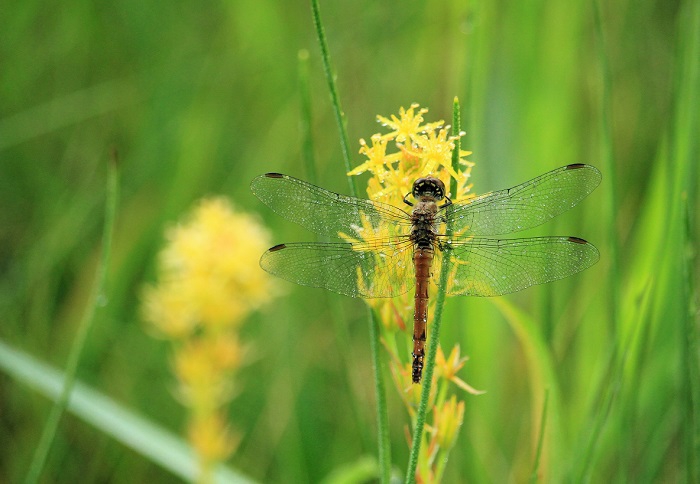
point(97, 299)
point(435, 327)
point(428, 371)
point(384, 448)
point(341, 329)
point(335, 100)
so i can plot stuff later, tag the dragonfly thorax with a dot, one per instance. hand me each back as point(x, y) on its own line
point(428, 187)
point(424, 223)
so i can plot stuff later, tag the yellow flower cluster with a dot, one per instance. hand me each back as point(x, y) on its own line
point(208, 282)
point(414, 149)
point(419, 149)
point(209, 277)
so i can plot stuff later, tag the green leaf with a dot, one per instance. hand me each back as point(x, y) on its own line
point(136, 432)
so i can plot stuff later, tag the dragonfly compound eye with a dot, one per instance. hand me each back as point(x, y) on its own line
point(429, 187)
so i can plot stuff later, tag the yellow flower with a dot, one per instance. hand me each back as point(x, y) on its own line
point(447, 421)
point(448, 368)
point(418, 149)
point(378, 162)
point(209, 274)
point(414, 149)
point(204, 368)
point(208, 281)
point(212, 439)
point(408, 124)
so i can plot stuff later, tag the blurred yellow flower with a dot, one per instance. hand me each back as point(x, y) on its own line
point(447, 421)
point(209, 280)
point(208, 273)
point(211, 438)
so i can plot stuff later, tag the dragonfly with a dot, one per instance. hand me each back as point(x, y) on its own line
point(385, 251)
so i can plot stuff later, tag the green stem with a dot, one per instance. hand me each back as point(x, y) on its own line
point(384, 449)
point(428, 371)
point(435, 327)
point(339, 324)
point(335, 100)
point(456, 123)
point(97, 298)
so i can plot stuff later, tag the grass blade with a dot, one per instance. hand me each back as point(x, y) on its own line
point(540, 441)
point(135, 432)
point(97, 295)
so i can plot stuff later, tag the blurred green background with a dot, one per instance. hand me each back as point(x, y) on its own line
point(199, 97)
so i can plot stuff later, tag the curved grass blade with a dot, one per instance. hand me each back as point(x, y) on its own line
point(123, 425)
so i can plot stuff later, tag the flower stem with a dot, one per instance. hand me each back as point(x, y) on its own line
point(435, 327)
point(382, 412)
point(456, 121)
point(337, 110)
point(428, 371)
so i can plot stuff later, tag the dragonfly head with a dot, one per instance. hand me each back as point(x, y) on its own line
point(428, 187)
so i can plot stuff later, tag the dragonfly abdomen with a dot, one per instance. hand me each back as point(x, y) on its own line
point(423, 235)
point(422, 259)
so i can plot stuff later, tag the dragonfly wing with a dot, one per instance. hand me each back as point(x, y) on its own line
point(526, 205)
point(367, 269)
point(328, 213)
point(491, 267)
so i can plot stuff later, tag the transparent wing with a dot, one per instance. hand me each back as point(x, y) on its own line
point(325, 212)
point(374, 268)
point(491, 267)
point(526, 205)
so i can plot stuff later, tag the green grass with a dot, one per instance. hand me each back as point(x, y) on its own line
point(200, 99)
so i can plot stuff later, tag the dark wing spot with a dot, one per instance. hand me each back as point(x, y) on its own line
point(274, 175)
point(575, 166)
point(575, 240)
point(277, 247)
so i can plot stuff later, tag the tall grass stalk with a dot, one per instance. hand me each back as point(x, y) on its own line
point(333, 89)
point(384, 444)
point(336, 310)
point(437, 320)
point(97, 299)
